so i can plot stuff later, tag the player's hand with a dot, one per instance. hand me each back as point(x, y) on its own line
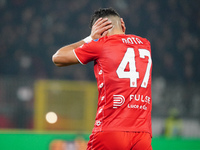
point(100, 28)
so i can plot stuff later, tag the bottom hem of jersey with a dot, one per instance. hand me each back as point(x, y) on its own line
point(121, 130)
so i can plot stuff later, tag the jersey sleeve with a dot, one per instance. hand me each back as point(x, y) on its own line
point(88, 52)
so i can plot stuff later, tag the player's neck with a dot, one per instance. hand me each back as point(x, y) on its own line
point(113, 32)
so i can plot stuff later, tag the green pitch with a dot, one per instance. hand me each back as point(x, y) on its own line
point(30, 140)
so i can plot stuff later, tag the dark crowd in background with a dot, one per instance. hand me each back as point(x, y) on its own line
point(32, 31)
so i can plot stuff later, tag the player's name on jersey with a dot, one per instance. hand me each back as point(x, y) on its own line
point(132, 40)
point(141, 98)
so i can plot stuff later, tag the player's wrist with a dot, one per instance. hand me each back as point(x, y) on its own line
point(87, 39)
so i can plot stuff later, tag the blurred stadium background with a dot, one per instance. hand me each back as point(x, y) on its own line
point(45, 107)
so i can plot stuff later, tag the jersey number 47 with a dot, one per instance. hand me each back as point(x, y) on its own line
point(132, 74)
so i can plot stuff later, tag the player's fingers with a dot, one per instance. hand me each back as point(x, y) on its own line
point(106, 23)
point(108, 27)
point(104, 33)
point(99, 22)
point(105, 28)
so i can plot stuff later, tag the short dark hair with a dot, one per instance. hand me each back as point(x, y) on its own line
point(102, 12)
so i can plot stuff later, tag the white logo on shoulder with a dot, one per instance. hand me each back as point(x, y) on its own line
point(118, 100)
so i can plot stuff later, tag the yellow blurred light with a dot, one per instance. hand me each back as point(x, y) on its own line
point(51, 117)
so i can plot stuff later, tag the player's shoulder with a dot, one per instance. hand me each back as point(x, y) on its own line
point(120, 36)
point(105, 39)
point(93, 45)
point(102, 39)
point(97, 41)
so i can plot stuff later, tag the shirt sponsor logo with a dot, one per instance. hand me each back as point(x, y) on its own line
point(118, 100)
point(136, 101)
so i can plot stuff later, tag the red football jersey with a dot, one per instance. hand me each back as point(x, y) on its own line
point(122, 67)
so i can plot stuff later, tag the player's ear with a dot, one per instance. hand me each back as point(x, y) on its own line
point(123, 25)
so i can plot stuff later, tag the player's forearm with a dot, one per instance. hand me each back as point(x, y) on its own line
point(65, 56)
